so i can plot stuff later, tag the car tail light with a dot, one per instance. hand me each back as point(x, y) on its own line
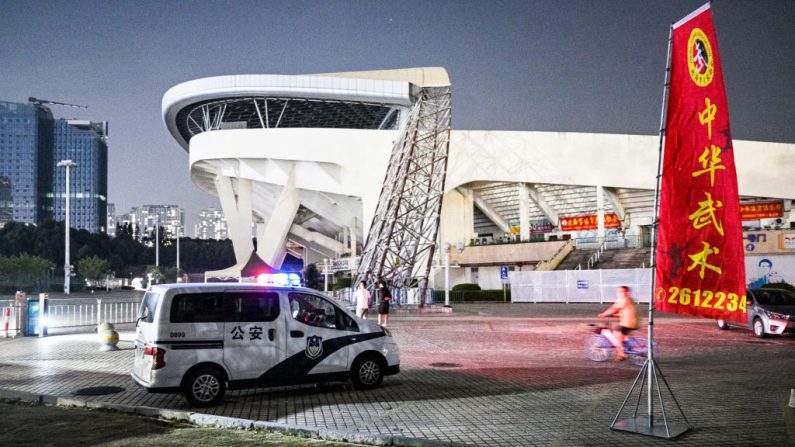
point(158, 356)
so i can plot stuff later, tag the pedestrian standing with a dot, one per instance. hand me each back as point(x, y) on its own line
point(383, 297)
point(362, 296)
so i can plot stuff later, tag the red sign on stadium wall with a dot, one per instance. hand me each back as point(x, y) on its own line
point(761, 210)
point(578, 223)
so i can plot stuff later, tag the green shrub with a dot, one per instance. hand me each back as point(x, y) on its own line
point(493, 295)
point(343, 282)
point(779, 285)
point(465, 287)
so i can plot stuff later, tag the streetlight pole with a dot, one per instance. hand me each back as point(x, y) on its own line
point(446, 274)
point(447, 278)
point(67, 266)
point(157, 242)
point(179, 230)
point(325, 275)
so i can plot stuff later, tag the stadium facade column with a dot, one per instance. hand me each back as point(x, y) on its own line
point(457, 220)
point(457, 223)
point(237, 210)
point(354, 237)
point(549, 211)
point(270, 242)
point(524, 211)
point(600, 212)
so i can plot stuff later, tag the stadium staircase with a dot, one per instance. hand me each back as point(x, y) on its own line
point(624, 258)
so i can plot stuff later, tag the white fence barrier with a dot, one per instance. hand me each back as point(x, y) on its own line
point(74, 312)
point(578, 286)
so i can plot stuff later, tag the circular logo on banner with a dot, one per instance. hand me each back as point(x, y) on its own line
point(660, 295)
point(699, 58)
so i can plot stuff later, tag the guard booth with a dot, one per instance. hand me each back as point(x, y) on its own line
point(36, 310)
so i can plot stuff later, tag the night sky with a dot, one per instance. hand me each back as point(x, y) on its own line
point(587, 66)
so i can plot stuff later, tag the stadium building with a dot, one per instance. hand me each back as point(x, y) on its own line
point(299, 162)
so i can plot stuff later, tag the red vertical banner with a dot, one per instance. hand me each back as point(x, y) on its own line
point(700, 267)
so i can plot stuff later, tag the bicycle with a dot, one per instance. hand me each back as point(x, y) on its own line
point(602, 346)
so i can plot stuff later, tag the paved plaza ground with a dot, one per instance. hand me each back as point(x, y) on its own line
point(487, 375)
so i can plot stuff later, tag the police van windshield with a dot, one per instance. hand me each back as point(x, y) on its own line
point(146, 312)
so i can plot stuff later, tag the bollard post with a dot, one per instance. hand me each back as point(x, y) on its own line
point(108, 337)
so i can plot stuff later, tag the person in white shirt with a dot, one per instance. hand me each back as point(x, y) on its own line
point(362, 300)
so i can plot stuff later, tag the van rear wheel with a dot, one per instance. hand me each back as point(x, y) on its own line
point(204, 387)
point(367, 372)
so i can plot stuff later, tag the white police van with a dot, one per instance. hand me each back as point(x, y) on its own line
point(202, 338)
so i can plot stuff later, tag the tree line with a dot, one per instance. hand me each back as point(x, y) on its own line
point(25, 246)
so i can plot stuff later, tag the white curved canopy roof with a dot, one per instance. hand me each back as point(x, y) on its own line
point(389, 87)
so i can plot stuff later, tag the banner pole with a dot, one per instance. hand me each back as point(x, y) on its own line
point(648, 374)
point(652, 256)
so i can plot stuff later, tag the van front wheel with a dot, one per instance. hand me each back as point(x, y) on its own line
point(204, 387)
point(367, 372)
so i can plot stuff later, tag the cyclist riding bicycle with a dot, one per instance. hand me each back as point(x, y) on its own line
point(628, 318)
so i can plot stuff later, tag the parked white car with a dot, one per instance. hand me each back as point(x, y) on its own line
point(200, 339)
point(770, 311)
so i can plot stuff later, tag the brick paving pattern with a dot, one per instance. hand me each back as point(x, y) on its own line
point(486, 375)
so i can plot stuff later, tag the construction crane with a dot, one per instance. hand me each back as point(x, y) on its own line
point(55, 103)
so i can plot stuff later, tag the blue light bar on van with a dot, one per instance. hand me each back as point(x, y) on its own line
point(279, 279)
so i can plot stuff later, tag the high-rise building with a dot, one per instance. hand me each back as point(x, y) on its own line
point(211, 225)
point(83, 142)
point(111, 222)
point(32, 186)
point(26, 148)
point(171, 218)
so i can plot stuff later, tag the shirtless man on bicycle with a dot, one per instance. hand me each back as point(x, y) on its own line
point(628, 318)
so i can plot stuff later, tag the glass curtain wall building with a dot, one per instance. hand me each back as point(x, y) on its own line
point(26, 148)
point(32, 186)
point(84, 143)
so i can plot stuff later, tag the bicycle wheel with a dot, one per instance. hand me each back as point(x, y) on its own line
point(656, 349)
point(635, 349)
point(597, 348)
point(634, 345)
point(637, 359)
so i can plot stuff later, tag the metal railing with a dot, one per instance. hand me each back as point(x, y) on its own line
point(73, 312)
point(612, 242)
point(594, 258)
point(400, 296)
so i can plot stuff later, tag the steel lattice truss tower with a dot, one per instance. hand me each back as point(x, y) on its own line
point(402, 238)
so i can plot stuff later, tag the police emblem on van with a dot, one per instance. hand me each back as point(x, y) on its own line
point(314, 346)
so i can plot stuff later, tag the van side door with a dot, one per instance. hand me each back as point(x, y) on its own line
point(318, 335)
point(253, 333)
